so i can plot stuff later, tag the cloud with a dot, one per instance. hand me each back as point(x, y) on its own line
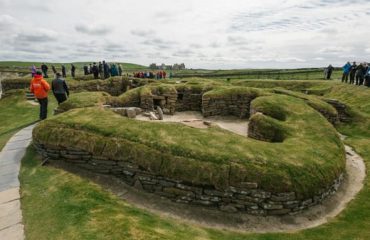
point(35, 36)
point(98, 30)
point(142, 33)
point(159, 43)
point(184, 53)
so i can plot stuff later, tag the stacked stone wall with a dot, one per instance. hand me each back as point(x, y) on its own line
point(246, 197)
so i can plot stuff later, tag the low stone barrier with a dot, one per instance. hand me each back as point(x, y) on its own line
point(247, 197)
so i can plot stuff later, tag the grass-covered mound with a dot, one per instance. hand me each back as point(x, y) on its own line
point(310, 157)
point(84, 99)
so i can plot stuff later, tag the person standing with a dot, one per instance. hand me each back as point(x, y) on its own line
point(54, 69)
point(86, 70)
point(106, 70)
point(73, 70)
point(101, 72)
point(367, 76)
point(95, 71)
point(44, 69)
point(120, 70)
point(60, 89)
point(330, 69)
point(346, 70)
point(90, 69)
point(64, 74)
point(352, 73)
point(40, 88)
point(360, 74)
point(33, 70)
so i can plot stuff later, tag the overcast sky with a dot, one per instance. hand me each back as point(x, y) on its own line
point(200, 33)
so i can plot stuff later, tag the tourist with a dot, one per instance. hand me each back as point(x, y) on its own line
point(360, 74)
point(64, 74)
point(60, 88)
point(106, 70)
point(73, 70)
point(86, 70)
point(346, 70)
point(329, 69)
point(101, 72)
point(120, 70)
point(33, 70)
point(352, 73)
point(53, 69)
point(367, 76)
point(40, 88)
point(95, 71)
point(44, 69)
point(164, 75)
point(90, 69)
point(113, 70)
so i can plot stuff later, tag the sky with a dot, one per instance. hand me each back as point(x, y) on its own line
point(213, 34)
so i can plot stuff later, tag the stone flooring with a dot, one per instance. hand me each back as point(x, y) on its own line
point(11, 226)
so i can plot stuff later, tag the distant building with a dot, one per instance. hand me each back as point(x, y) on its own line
point(163, 66)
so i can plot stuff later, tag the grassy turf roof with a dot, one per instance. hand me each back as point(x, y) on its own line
point(310, 157)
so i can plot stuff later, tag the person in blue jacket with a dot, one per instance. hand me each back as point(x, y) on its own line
point(346, 70)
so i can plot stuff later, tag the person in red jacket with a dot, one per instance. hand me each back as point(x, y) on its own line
point(40, 88)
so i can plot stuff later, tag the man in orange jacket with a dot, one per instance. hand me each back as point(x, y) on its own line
point(40, 88)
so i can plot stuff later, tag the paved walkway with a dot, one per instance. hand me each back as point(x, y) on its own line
point(11, 226)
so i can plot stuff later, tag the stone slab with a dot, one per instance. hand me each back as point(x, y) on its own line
point(10, 220)
point(14, 232)
point(9, 195)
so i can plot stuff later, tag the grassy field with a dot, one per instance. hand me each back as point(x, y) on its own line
point(74, 208)
point(16, 113)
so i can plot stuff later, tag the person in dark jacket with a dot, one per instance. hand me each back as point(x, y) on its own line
point(64, 74)
point(86, 70)
point(329, 69)
point(106, 70)
point(90, 69)
point(360, 74)
point(352, 73)
point(60, 88)
point(367, 76)
point(73, 70)
point(95, 71)
point(53, 69)
point(44, 69)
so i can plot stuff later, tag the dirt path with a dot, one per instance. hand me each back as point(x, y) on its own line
point(196, 120)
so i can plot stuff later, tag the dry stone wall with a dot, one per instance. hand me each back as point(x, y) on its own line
point(236, 105)
point(246, 197)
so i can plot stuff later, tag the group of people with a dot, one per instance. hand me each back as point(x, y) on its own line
point(40, 88)
point(357, 74)
point(157, 75)
point(103, 70)
point(44, 70)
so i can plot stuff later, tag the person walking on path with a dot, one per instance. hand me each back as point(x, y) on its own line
point(64, 74)
point(60, 89)
point(106, 70)
point(346, 70)
point(352, 73)
point(44, 69)
point(101, 72)
point(40, 88)
point(73, 70)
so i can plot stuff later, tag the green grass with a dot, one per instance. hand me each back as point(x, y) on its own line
point(182, 149)
point(69, 207)
point(16, 113)
point(83, 99)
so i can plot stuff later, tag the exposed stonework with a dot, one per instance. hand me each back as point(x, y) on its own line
point(237, 105)
point(343, 111)
point(246, 197)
